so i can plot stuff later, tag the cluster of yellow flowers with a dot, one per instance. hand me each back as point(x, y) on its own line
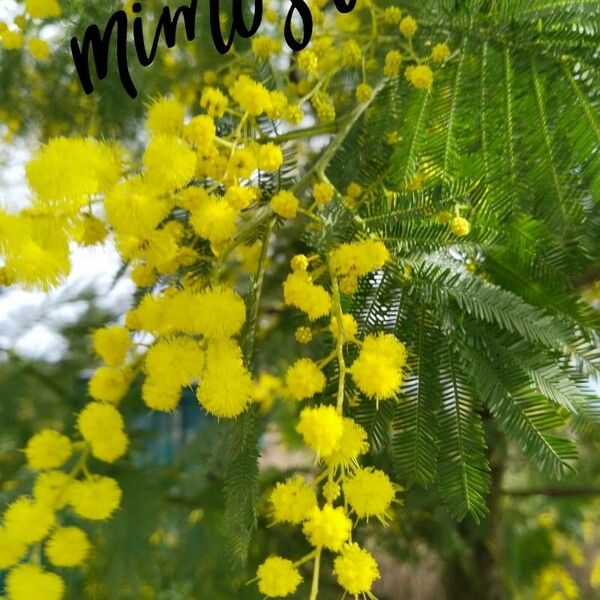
point(178, 221)
point(337, 441)
point(12, 35)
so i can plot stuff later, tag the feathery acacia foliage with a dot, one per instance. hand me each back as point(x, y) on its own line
point(483, 188)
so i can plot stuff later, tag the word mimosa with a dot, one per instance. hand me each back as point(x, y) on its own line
point(118, 24)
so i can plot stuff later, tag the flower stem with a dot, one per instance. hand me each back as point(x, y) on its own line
point(337, 305)
point(314, 588)
point(256, 293)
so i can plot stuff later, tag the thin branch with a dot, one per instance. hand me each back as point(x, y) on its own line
point(554, 492)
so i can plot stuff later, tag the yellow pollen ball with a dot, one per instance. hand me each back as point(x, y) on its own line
point(43, 9)
point(67, 547)
point(328, 527)
point(421, 76)
point(48, 449)
point(356, 259)
point(285, 204)
point(304, 379)
point(460, 226)
point(355, 569)
point(408, 27)
point(301, 292)
point(364, 92)
point(323, 193)
point(440, 53)
point(109, 384)
point(349, 327)
point(352, 444)
point(95, 498)
point(277, 577)
point(28, 520)
point(12, 549)
point(377, 371)
point(299, 263)
point(29, 581)
point(226, 386)
point(39, 49)
point(293, 500)
point(51, 489)
point(321, 428)
point(270, 157)
point(165, 116)
point(370, 493)
point(112, 344)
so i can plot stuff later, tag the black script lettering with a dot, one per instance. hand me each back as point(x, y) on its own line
point(343, 7)
point(95, 46)
point(238, 24)
point(307, 21)
point(100, 46)
point(166, 24)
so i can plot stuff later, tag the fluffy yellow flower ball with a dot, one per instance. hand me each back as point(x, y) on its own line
point(321, 428)
point(352, 444)
point(393, 61)
point(356, 259)
point(213, 218)
point(109, 384)
point(112, 344)
point(420, 76)
point(161, 395)
point(408, 27)
point(29, 581)
point(48, 449)
point(300, 291)
point(323, 193)
point(12, 549)
point(39, 49)
point(278, 577)
point(370, 493)
point(328, 527)
point(103, 427)
point(226, 386)
point(304, 379)
point(67, 547)
point(253, 97)
point(51, 489)
point(293, 500)
point(218, 313)
point(299, 262)
point(201, 131)
point(377, 371)
point(90, 230)
point(169, 163)
point(72, 169)
point(214, 102)
point(43, 9)
point(440, 53)
point(28, 520)
point(239, 197)
point(460, 226)
point(165, 116)
point(355, 569)
point(285, 204)
point(270, 157)
point(95, 498)
point(97, 421)
point(349, 327)
point(175, 361)
point(364, 92)
point(265, 390)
